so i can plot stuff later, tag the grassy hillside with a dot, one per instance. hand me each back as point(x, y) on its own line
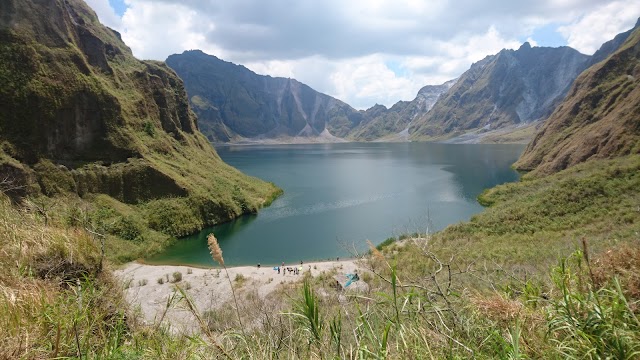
point(599, 118)
point(80, 116)
point(549, 270)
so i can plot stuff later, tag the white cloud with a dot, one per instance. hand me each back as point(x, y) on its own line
point(360, 51)
point(154, 31)
point(367, 80)
point(593, 29)
point(532, 42)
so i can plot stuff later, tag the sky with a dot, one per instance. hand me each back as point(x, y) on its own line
point(363, 52)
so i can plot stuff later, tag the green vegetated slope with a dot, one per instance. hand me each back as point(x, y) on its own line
point(599, 118)
point(80, 115)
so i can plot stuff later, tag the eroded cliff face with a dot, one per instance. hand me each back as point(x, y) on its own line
point(511, 87)
point(79, 113)
point(599, 118)
point(66, 82)
point(234, 103)
point(378, 122)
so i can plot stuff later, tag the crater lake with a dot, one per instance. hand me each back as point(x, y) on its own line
point(337, 196)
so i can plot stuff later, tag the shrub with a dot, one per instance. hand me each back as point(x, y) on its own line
point(240, 279)
point(149, 129)
point(176, 276)
point(386, 243)
point(128, 228)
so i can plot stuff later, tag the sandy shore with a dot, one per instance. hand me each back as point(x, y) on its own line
point(148, 287)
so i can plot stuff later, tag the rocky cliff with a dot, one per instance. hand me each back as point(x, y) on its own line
point(378, 122)
point(233, 103)
point(599, 118)
point(511, 87)
point(79, 114)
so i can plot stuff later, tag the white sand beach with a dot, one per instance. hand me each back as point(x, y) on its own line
point(148, 287)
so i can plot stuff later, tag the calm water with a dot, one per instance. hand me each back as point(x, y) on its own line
point(336, 196)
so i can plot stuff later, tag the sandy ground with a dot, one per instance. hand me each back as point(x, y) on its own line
point(210, 288)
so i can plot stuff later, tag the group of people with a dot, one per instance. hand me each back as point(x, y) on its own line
point(296, 270)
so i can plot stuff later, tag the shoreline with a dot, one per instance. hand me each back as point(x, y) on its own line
point(269, 265)
point(150, 288)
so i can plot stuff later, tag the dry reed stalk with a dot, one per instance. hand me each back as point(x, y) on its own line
point(214, 248)
point(191, 306)
point(375, 252)
point(216, 254)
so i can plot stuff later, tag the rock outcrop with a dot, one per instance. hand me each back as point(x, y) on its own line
point(378, 122)
point(511, 87)
point(234, 103)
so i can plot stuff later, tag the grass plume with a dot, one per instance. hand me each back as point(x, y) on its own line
point(216, 254)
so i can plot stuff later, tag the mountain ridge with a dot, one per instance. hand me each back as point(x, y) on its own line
point(599, 118)
point(288, 109)
point(233, 102)
point(510, 88)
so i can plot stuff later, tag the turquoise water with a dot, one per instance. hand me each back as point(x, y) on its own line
point(336, 196)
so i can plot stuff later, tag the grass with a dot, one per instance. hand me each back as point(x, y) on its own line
point(489, 288)
point(137, 130)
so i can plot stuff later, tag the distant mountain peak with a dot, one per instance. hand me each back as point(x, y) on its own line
point(246, 106)
point(525, 46)
point(510, 88)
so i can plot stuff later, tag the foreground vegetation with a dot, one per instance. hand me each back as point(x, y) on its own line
point(549, 270)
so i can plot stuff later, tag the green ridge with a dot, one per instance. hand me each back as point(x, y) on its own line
point(80, 115)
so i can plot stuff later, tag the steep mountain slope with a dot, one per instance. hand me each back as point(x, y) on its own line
point(234, 103)
point(378, 121)
point(511, 87)
point(612, 45)
point(599, 118)
point(79, 114)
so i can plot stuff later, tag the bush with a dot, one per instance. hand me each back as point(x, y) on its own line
point(128, 228)
point(386, 243)
point(176, 276)
point(240, 279)
point(586, 322)
point(173, 216)
point(149, 129)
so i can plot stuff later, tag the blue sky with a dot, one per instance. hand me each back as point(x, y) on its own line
point(362, 51)
point(548, 35)
point(118, 6)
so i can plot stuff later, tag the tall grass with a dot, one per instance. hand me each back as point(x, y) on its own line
point(455, 294)
point(590, 322)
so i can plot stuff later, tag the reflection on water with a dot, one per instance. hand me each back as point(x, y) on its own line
point(339, 195)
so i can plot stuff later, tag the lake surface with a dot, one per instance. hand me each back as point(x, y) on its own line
point(336, 196)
